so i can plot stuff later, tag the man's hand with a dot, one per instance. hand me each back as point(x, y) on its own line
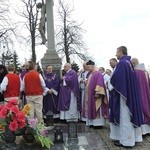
point(97, 95)
point(63, 77)
point(50, 91)
point(86, 82)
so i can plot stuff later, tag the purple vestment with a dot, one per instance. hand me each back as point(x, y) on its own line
point(72, 85)
point(96, 84)
point(125, 84)
point(22, 96)
point(50, 101)
point(22, 74)
point(145, 94)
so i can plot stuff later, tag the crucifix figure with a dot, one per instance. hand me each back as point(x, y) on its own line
point(47, 16)
point(42, 6)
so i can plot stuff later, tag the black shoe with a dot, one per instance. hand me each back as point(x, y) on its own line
point(56, 120)
point(97, 127)
point(120, 145)
point(63, 121)
point(81, 121)
point(90, 126)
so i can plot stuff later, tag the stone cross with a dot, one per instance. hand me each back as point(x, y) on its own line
point(50, 24)
point(51, 57)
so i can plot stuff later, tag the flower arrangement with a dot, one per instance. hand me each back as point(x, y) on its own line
point(36, 128)
point(39, 132)
point(11, 116)
point(16, 120)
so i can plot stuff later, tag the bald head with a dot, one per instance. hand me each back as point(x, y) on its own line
point(67, 67)
point(135, 62)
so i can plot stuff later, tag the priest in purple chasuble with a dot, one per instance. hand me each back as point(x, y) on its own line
point(144, 87)
point(69, 103)
point(125, 108)
point(50, 101)
point(96, 106)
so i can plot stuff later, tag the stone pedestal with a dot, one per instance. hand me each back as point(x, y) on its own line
point(51, 58)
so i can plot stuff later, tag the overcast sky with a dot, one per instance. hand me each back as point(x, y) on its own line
point(112, 23)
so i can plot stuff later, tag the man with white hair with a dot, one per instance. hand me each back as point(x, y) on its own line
point(144, 87)
point(69, 95)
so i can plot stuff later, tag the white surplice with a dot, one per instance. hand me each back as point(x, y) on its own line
point(101, 121)
point(72, 113)
point(125, 133)
point(83, 78)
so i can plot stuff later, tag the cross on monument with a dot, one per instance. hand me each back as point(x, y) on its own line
point(51, 57)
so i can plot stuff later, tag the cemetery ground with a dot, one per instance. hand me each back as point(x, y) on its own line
point(88, 139)
point(99, 139)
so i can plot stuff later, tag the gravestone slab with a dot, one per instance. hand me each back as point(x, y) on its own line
point(72, 133)
point(81, 145)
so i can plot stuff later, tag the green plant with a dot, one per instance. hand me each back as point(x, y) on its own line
point(39, 132)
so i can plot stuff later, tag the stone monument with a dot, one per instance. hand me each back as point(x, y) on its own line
point(72, 132)
point(51, 57)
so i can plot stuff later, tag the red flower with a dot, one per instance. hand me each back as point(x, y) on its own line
point(20, 116)
point(22, 124)
point(14, 117)
point(15, 109)
point(8, 106)
point(13, 126)
point(3, 113)
point(1, 106)
point(13, 101)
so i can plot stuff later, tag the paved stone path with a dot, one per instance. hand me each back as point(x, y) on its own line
point(99, 139)
point(109, 144)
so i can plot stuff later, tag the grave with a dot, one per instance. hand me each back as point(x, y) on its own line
point(87, 140)
point(72, 133)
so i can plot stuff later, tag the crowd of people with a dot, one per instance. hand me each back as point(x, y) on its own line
point(120, 95)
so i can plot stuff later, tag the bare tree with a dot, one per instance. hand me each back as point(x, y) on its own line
point(5, 28)
point(4, 8)
point(30, 14)
point(69, 36)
